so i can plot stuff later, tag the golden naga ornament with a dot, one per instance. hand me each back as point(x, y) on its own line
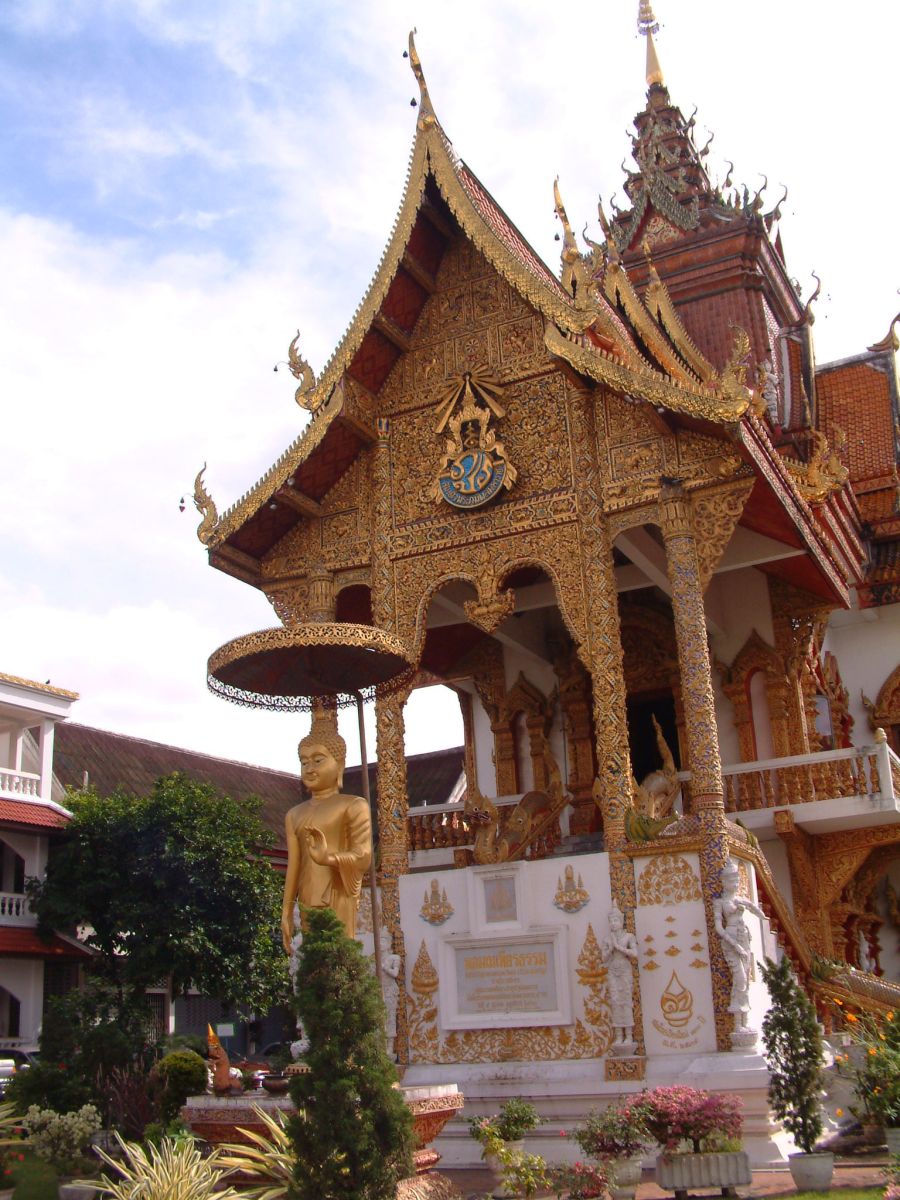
point(204, 505)
point(300, 369)
point(474, 467)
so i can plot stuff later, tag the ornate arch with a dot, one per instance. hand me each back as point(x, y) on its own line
point(756, 655)
point(485, 565)
point(885, 712)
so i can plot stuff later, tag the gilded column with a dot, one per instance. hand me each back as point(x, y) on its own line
point(603, 659)
point(702, 733)
point(393, 832)
point(693, 652)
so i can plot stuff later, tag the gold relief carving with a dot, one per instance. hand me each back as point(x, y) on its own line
point(570, 896)
point(715, 516)
point(886, 710)
point(668, 879)
point(590, 1038)
point(676, 1003)
point(626, 420)
point(624, 1070)
point(492, 608)
point(339, 528)
point(289, 600)
point(637, 459)
point(618, 522)
point(461, 530)
point(436, 908)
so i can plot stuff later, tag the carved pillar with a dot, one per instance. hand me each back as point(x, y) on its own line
point(602, 656)
point(693, 652)
point(505, 757)
point(538, 726)
point(575, 702)
point(707, 801)
point(321, 599)
point(393, 831)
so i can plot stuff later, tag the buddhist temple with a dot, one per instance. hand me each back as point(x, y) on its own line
point(615, 507)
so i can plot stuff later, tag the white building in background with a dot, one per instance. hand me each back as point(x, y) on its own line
point(31, 815)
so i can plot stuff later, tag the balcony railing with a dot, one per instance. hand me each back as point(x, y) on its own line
point(15, 909)
point(19, 785)
point(867, 772)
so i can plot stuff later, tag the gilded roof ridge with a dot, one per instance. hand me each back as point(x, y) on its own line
point(38, 687)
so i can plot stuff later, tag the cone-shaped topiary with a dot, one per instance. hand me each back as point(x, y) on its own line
point(794, 1053)
point(353, 1132)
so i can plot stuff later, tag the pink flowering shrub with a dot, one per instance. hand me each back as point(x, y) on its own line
point(582, 1181)
point(683, 1114)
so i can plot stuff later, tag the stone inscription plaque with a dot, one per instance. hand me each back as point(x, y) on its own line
point(499, 978)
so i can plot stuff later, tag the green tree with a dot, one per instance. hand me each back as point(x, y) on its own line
point(353, 1132)
point(794, 1049)
point(170, 886)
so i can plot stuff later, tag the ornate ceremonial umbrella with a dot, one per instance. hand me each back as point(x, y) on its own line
point(331, 662)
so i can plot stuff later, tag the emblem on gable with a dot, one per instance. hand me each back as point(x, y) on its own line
point(474, 466)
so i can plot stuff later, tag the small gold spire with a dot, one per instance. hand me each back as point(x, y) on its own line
point(426, 112)
point(648, 25)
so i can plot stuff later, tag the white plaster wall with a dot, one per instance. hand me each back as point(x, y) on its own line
point(777, 858)
point(24, 978)
point(29, 847)
point(737, 602)
point(866, 644)
point(729, 743)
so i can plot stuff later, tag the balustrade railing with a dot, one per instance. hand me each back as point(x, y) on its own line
point(871, 772)
point(20, 785)
point(15, 909)
point(443, 826)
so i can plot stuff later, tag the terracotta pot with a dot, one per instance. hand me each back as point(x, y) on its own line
point(72, 1190)
point(625, 1175)
point(873, 1132)
point(500, 1190)
point(812, 1172)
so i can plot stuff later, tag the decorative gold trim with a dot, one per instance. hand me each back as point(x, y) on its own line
point(617, 282)
point(662, 310)
point(38, 687)
point(644, 383)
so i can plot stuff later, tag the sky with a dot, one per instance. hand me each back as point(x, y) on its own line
point(184, 183)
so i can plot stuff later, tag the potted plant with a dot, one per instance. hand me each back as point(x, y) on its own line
point(617, 1137)
point(873, 1065)
point(504, 1132)
point(794, 1049)
point(699, 1135)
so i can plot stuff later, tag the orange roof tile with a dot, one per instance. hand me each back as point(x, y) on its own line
point(26, 943)
point(21, 812)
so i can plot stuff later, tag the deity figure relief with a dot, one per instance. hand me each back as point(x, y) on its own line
point(390, 990)
point(619, 949)
point(329, 836)
point(729, 911)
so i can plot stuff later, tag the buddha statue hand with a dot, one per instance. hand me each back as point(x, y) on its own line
point(318, 847)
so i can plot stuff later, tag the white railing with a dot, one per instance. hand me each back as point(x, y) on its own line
point(867, 772)
point(20, 785)
point(15, 909)
point(443, 826)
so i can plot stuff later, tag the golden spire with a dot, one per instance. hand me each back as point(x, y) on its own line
point(648, 25)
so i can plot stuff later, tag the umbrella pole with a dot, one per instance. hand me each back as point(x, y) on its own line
point(376, 913)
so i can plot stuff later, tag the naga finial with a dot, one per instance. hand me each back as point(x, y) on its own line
point(732, 381)
point(204, 505)
point(757, 199)
point(808, 315)
point(300, 369)
point(612, 250)
point(890, 341)
point(703, 153)
point(427, 119)
point(728, 180)
point(776, 211)
point(647, 26)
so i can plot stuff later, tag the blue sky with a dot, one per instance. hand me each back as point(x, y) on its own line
point(183, 184)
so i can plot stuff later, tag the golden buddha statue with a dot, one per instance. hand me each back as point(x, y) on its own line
point(329, 836)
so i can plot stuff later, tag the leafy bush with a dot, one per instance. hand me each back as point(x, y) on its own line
point(516, 1118)
point(580, 1181)
point(62, 1139)
point(794, 1050)
point(183, 1074)
point(684, 1114)
point(620, 1131)
point(172, 1171)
